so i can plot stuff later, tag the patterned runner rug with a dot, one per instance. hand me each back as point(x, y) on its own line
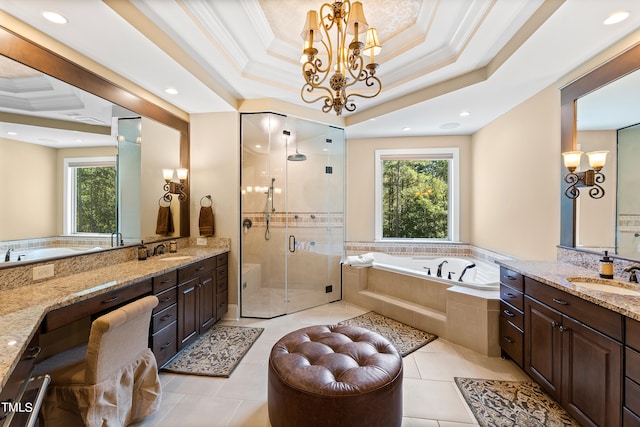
point(216, 353)
point(512, 403)
point(406, 339)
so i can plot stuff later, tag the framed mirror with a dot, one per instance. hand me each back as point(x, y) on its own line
point(595, 116)
point(75, 114)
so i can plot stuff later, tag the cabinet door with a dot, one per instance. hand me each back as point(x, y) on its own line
point(207, 299)
point(187, 312)
point(543, 342)
point(591, 375)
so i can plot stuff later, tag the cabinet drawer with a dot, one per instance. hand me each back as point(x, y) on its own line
point(222, 303)
point(96, 305)
point(194, 270)
point(599, 318)
point(511, 278)
point(512, 314)
point(511, 341)
point(166, 298)
point(221, 285)
point(222, 259)
point(632, 364)
point(632, 338)
point(165, 281)
point(512, 296)
point(163, 318)
point(632, 395)
point(164, 343)
point(221, 272)
point(629, 419)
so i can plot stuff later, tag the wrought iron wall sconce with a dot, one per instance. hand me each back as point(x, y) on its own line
point(590, 178)
point(173, 187)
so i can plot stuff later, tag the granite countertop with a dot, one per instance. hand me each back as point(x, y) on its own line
point(23, 309)
point(555, 274)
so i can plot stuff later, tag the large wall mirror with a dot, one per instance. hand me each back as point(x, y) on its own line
point(62, 126)
point(601, 111)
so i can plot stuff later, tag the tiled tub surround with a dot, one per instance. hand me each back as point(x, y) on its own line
point(23, 308)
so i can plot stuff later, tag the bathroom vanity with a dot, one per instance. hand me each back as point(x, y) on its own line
point(32, 311)
point(580, 344)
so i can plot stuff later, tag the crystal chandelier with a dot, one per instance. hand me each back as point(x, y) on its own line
point(332, 75)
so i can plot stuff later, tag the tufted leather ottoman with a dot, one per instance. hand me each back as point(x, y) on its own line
point(334, 376)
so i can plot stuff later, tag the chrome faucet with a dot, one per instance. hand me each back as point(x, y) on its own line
point(472, 265)
point(439, 272)
point(117, 235)
point(159, 249)
point(7, 256)
point(633, 275)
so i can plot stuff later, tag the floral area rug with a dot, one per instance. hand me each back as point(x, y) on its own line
point(512, 403)
point(406, 339)
point(216, 353)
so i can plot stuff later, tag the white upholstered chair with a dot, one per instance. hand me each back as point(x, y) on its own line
point(115, 382)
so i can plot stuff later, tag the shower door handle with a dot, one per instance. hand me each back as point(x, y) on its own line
point(292, 239)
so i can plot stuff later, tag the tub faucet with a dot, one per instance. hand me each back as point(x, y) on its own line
point(633, 275)
point(472, 265)
point(439, 272)
point(7, 256)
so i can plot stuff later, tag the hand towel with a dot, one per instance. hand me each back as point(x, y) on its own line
point(206, 221)
point(164, 224)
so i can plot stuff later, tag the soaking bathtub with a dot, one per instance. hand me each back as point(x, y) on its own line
point(480, 274)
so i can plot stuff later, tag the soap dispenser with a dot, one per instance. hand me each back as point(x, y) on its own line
point(142, 251)
point(606, 266)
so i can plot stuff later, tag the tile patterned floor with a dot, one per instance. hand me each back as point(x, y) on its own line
point(431, 398)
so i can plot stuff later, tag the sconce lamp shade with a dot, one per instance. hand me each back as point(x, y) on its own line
point(167, 174)
point(572, 159)
point(182, 174)
point(311, 25)
point(597, 159)
point(372, 46)
point(356, 16)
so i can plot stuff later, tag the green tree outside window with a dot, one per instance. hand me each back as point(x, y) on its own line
point(96, 199)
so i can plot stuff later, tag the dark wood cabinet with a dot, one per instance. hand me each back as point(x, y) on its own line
point(196, 300)
point(632, 374)
point(164, 318)
point(511, 324)
point(576, 364)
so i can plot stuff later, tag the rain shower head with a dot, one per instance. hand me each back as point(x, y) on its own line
point(298, 157)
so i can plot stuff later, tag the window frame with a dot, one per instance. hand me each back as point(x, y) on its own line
point(447, 153)
point(70, 190)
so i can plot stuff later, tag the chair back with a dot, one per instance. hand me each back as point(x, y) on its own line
point(118, 338)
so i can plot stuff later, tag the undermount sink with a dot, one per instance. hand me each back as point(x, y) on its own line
point(176, 258)
point(606, 285)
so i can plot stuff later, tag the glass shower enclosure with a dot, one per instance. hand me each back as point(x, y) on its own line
point(292, 209)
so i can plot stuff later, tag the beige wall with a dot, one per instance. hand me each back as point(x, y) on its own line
point(215, 171)
point(515, 205)
point(360, 165)
point(30, 200)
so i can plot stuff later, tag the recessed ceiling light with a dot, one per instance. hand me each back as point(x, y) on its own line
point(171, 91)
point(54, 17)
point(406, 129)
point(12, 133)
point(616, 17)
point(258, 146)
point(449, 125)
point(465, 114)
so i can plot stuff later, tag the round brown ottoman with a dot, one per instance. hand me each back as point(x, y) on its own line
point(334, 376)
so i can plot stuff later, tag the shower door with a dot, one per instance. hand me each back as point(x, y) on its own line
point(292, 214)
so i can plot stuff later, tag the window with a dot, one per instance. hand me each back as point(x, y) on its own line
point(417, 194)
point(90, 195)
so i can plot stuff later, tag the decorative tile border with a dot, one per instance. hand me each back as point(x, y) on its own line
point(296, 219)
point(628, 223)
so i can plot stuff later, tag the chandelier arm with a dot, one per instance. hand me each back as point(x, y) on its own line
point(309, 90)
point(369, 81)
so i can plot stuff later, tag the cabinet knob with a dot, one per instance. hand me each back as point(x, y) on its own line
point(560, 301)
point(509, 340)
point(112, 299)
point(508, 313)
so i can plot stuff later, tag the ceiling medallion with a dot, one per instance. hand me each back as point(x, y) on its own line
point(342, 67)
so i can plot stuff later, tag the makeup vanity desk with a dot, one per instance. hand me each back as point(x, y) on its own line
point(48, 304)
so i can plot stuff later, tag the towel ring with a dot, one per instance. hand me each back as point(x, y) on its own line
point(210, 201)
point(162, 199)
